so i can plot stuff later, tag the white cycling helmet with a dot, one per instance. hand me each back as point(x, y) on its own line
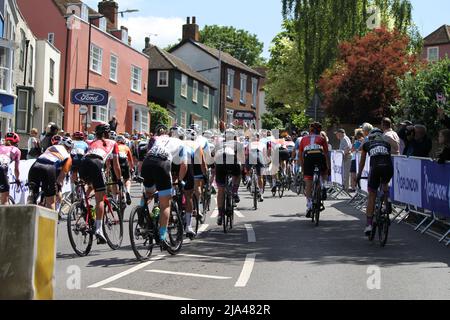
point(195, 127)
point(178, 132)
point(191, 134)
point(230, 134)
point(121, 139)
point(208, 134)
point(113, 135)
point(67, 142)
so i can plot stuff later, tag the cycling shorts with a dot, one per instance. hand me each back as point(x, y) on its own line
point(43, 175)
point(198, 173)
point(157, 176)
point(91, 172)
point(222, 170)
point(4, 180)
point(310, 161)
point(380, 174)
point(284, 155)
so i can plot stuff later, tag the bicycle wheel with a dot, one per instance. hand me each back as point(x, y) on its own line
point(316, 204)
point(113, 225)
point(175, 230)
point(80, 234)
point(255, 193)
point(383, 229)
point(141, 236)
point(196, 208)
point(228, 208)
point(281, 189)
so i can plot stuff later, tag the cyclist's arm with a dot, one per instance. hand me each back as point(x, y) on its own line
point(130, 158)
point(362, 162)
point(17, 165)
point(183, 164)
point(65, 169)
point(115, 161)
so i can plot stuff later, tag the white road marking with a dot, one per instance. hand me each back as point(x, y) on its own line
point(246, 271)
point(202, 228)
point(125, 273)
point(219, 243)
point(250, 233)
point(190, 274)
point(239, 214)
point(146, 294)
point(200, 256)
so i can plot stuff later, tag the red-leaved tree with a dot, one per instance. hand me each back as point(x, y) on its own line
point(362, 84)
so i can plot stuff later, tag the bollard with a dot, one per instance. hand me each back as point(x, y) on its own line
point(27, 252)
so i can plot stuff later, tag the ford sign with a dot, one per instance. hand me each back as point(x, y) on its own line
point(89, 97)
point(244, 115)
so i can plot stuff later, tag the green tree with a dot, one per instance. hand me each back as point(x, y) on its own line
point(159, 115)
point(425, 96)
point(237, 42)
point(270, 122)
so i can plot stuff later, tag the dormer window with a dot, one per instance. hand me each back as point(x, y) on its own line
point(102, 24)
point(124, 35)
point(84, 12)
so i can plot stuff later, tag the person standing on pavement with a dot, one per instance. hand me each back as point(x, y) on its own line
point(34, 145)
point(357, 144)
point(402, 134)
point(419, 144)
point(444, 142)
point(345, 145)
point(391, 136)
point(52, 130)
point(113, 123)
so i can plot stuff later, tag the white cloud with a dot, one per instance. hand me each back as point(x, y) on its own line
point(168, 30)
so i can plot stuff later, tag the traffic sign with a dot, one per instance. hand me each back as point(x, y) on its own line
point(84, 110)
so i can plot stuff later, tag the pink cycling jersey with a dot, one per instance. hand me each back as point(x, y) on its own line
point(107, 151)
point(9, 154)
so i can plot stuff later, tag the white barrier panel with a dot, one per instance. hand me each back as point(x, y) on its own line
point(408, 181)
point(337, 167)
point(364, 183)
point(20, 192)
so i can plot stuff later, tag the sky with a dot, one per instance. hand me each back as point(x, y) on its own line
point(162, 20)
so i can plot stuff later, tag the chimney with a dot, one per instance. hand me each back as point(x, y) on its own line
point(129, 41)
point(147, 42)
point(110, 9)
point(191, 30)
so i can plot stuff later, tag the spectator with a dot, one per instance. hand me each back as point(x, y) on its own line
point(402, 134)
point(325, 136)
point(113, 123)
point(444, 141)
point(52, 130)
point(345, 145)
point(366, 127)
point(34, 145)
point(391, 136)
point(358, 141)
point(418, 145)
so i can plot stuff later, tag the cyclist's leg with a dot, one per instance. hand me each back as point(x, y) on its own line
point(373, 186)
point(221, 173)
point(188, 193)
point(4, 185)
point(236, 173)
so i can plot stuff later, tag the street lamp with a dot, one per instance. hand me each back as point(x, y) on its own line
point(92, 18)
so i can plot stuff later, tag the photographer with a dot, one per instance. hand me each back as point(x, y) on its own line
point(418, 144)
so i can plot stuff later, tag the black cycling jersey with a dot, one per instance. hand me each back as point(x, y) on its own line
point(379, 152)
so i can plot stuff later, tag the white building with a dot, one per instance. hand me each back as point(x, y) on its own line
point(47, 107)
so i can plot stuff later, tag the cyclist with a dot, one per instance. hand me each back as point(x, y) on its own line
point(381, 171)
point(126, 165)
point(9, 153)
point(210, 136)
point(80, 148)
point(156, 171)
point(202, 153)
point(257, 156)
point(313, 150)
point(141, 150)
point(290, 146)
point(56, 139)
point(91, 171)
point(229, 157)
point(49, 171)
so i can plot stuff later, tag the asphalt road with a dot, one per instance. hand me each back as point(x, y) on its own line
point(272, 253)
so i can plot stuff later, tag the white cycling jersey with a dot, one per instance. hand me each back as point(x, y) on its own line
point(167, 148)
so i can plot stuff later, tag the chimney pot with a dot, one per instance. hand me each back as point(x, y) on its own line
point(188, 20)
point(147, 42)
point(194, 20)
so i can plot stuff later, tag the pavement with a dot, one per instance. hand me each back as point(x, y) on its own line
point(274, 253)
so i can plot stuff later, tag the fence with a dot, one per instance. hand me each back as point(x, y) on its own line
point(419, 186)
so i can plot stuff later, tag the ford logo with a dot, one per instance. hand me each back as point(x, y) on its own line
point(89, 97)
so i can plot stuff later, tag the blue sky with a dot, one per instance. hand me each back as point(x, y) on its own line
point(261, 17)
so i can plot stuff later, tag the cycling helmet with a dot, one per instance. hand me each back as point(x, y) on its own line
point(113, 135)
point(375, 133)
point(67, 142)
point(315, 127)
point(160, 129)
point(230, 134)
point(191, 134)
point(177, 132)
point(56, 140)
point(78, 135)
point(288, 138)
point(195, 127)
point(120, 139)
point(12, 137)
point(102, 128)
point(208, 134)
point(90, 137)
point(126, 135)
point(304, 134)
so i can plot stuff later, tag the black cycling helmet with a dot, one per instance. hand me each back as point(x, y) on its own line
point(161, 129)
point(102, 129)
point(315, 127)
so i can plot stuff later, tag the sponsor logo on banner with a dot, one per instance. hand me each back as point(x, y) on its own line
point(436, 187)
point(337, 167)
point(408, 181)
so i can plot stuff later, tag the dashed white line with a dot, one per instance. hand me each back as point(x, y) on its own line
point(239, 214)
point(127, 272)
point(219, 243)
point(195, 275)
point(200, 256)
point(202, 228)
point(146, 294)
point(250, 233)
point(246, 271)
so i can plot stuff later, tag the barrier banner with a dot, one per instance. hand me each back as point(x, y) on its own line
point(436, 187)
point(407, 181)
point(337, 167)
point(364, 182)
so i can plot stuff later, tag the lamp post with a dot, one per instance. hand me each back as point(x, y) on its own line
point(92, 18)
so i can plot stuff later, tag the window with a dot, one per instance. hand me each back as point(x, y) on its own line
point(144, 125)
point(31, 58)
point(113, 68)
point(195, 91)
point(51, 87)
point(84, 12)
point(243, 88)
point(184, 85)
point(230, 84)
point(183, 119)
point(205, 125)
point(163, 79)
point(96, 59)
point(100, 113)
point(205, 96)
point(254, 92)
point(433, 54)
point(4, 69)
point(23, 45)
point(22, 111)
point(136, 79)
point(102, 24)
point(51, 38)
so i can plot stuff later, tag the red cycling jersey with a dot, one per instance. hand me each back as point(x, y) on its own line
point(104, 149)
point(313, 143)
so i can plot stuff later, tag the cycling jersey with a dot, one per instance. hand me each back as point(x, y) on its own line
point(167, 148)
point(125, 154)
point(313, 149)
point(58, 156)
point(103, 149)
point(8, 154)
point(79, 148)
point(313, 144)
point(227, 150)
point(381, 168)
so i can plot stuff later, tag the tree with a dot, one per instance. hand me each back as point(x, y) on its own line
point(425, 96)
point(270, 122)
point(362, 85)
point(158, 115)
point(321, 24)
point(239, 43)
